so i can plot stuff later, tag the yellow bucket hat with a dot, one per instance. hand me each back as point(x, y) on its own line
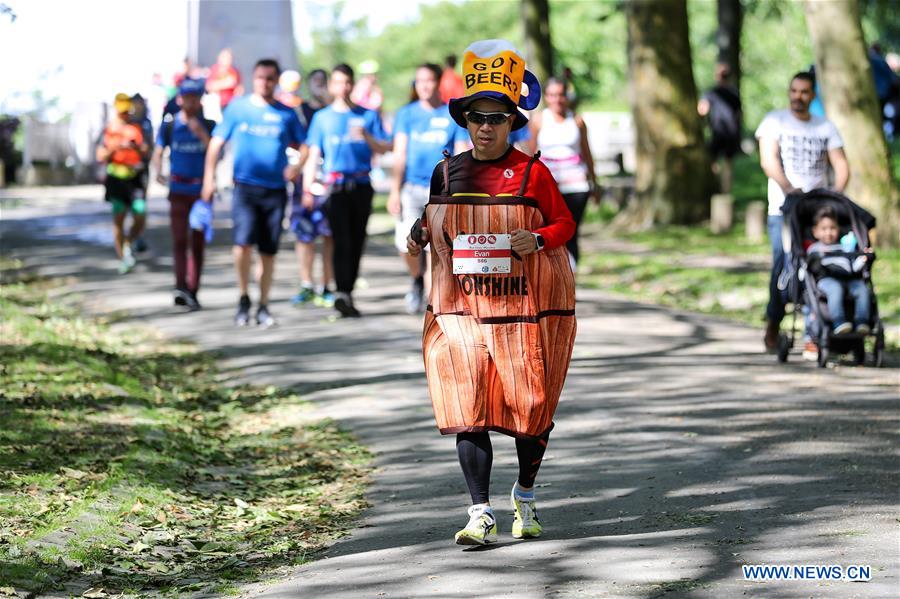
point(494, 69)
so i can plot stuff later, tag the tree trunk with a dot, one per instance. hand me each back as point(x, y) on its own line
point(538, 50)
point(845, 78)
point(728, 37)
point(673, 178)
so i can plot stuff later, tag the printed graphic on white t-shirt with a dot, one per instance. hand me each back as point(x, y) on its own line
point(803, 146)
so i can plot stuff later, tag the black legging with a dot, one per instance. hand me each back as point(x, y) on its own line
point(476, 456)
point(348, 209)
point(577, 202)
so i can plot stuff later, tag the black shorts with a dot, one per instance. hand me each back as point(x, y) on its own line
point(124, 190)
point(256, 214)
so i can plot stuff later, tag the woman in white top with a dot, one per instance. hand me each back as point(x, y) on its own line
point(561, 136)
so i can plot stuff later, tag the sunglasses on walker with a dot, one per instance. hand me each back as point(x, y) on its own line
point(491, 118)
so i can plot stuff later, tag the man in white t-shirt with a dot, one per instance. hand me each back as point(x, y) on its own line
point(795, 150)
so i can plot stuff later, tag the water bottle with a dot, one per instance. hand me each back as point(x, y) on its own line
point(848, 242)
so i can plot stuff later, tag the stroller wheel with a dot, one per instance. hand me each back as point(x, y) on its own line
point(879, 348)
point(823, 344)
point(823, 355)
point(859, 353)
point(784, 346)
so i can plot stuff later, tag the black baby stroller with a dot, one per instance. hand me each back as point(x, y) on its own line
point(801, 285)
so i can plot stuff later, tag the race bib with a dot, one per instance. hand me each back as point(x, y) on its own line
point(482, 254)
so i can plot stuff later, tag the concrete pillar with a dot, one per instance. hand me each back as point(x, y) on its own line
point(721, 214)
point(251, 28)
point(756, 221)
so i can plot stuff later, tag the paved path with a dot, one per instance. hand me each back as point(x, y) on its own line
point(680, 451)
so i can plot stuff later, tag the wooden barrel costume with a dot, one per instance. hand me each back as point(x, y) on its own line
point(497, 346)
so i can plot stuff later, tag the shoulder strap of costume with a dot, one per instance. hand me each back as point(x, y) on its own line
point(446, 164)
point(537, 156)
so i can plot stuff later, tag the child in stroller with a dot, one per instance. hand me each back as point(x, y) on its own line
point(839, 269)
point(827, 238)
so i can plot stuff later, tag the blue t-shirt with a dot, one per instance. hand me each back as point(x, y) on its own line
point(429, 132)
point(261, 134)
point(186, 156)
point(330, 132)
point(520, 135)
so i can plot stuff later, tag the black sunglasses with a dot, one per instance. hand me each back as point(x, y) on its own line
point(490, 118)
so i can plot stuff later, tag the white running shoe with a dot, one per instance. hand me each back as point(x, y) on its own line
point(128, 256)
point(481, 529)
point(843, 328)
point(526, 524)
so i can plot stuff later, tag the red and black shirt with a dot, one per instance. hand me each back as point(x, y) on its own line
point(504, 175)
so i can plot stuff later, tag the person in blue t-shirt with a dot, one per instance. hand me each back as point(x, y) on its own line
point(308, 225)
point(186, 134)
point(261, 130)
point(345, 136)
point(423, 130)
point(520, 140)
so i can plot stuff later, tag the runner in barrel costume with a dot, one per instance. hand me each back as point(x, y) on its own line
point(500, 327)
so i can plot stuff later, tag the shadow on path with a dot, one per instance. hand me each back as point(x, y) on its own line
point(680, 452)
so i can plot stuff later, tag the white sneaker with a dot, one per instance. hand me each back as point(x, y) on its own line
point(526, 524)
point(843, 328)
point(481, 529)
point(128, 256)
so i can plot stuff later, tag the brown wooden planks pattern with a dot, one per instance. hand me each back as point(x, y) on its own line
point(508, 376)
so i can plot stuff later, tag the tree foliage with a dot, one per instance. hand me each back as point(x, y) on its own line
point(590, 37)
point(538, 43)
point(881, 22)
point(443, 28)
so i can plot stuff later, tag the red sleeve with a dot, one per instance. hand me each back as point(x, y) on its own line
point(560, 226)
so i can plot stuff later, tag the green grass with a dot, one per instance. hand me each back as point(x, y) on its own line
point(666, 266)
point(726, 275)
point(750, 182)
point(125, 466)
point(895, 159)
point(379, 203)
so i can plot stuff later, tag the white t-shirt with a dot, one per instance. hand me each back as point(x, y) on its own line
point(803, 146)
point(560, 146)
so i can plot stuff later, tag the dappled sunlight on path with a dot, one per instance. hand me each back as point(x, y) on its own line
point(680, 450)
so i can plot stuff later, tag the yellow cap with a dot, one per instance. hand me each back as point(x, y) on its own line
point(123, 103)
